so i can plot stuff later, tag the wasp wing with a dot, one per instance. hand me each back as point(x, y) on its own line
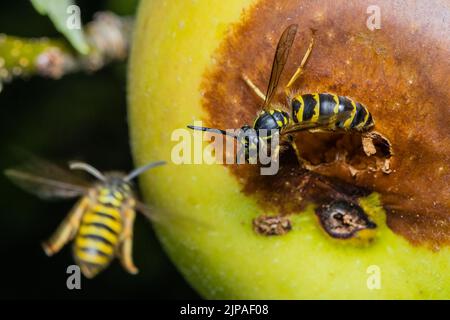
point(328, 122)
point(165, 217)
point(149, 212)
point(46, 180)
point(301, 126)
point(279, 61)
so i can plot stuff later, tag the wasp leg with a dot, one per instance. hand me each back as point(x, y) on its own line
point(275, 155)
point(252, 86)
point(299, 70)
point(125, 252)
point(301, 161)
point(67, 229)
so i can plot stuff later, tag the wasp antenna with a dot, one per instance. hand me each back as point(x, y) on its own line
point(88, 168)
point(212, 130)
point(133, 174)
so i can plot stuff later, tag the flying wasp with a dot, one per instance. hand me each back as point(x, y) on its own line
point(101, 223)
point(316, 112)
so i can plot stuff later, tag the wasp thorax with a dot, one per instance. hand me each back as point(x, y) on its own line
point(271, 120)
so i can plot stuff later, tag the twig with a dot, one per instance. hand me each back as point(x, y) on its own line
point(108, 36)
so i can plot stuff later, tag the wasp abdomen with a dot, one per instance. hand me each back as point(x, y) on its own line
point(97, 238)
point(324, 107)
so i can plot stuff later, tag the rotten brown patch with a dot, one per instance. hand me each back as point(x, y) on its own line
point(400, 72)
point(271, 226)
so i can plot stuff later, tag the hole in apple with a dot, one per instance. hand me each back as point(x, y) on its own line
point(358, 152)
point(343, 219)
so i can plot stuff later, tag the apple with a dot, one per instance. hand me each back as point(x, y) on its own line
point(186, 64)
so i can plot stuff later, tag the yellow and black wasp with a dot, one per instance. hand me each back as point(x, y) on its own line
point(101, 223)
point(314, 112)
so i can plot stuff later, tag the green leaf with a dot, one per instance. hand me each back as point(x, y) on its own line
point(57, 11)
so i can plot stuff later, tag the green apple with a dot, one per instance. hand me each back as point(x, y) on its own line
point(175, 47)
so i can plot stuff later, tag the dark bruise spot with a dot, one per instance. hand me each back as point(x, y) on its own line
point(271, 226)
point(342, 219)
point(401, 73)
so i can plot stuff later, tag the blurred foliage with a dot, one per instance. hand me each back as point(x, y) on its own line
point(56, 10)
point(122, 7)
point(78, 117)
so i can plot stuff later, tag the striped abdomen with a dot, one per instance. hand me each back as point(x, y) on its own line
point(321, 107)
point(98, 236)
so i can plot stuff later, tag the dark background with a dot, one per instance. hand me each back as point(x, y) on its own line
point(82, 117)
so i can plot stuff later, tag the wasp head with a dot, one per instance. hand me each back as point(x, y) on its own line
point(116, 181)
point(248, 142)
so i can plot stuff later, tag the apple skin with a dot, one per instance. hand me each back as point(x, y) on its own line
point(217, 250)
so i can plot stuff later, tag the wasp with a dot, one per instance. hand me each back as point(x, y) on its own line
point(315, 112)
point(101, 222)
